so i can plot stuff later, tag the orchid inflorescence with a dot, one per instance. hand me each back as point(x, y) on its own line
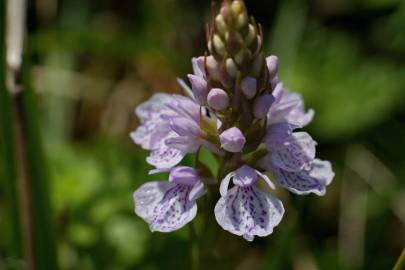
point(239, 111)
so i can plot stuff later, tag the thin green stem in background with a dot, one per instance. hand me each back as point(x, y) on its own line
point(7, 144)
point(29, 170)
point(400, 264)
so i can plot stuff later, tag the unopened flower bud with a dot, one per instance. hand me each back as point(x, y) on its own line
point(220, 23)
point(242, 56)
point(272, 65)
point(262, 105)
point(213, 67)
point(237, 7)
point(242, 20)
point(251, 35)
point(199, 88)
point(219, 45)
point(249, 85)
point(231, 67)
point(232, 140)
point(218, 99)
point(183, 175)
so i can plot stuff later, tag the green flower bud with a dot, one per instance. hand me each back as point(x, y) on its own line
point(242, 20)
point(251, 35)
point(237, 7)
point(219, 45)
point(220, 23)
point(242, 56)
point(231, 67)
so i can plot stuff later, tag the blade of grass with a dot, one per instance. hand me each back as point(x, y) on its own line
point(7, 142)
point(400, 264)
point(44, 236)
point(35, 211)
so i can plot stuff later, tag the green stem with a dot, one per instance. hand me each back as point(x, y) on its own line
point(400, 264)
point(7, 143)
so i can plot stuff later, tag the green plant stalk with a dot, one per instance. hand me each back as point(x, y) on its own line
point(7, 142)
point(400, 264)
point(44, 233)
point(38, 237)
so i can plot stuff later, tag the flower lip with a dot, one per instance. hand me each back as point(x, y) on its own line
point(184, 175)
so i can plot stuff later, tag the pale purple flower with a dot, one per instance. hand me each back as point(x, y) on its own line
point(218, 99)
point(169, 205)
point(245, 209)
point(232, 140)
point(288, 150)
point(288, 107)
point(313, 179)
point(291, 159)
point(238, 110)
point(170, 128)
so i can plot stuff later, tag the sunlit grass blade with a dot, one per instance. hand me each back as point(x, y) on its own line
point(44, 233)
point(7, 143)
point(400, 264)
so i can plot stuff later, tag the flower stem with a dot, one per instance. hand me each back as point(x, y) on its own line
point(400, 264)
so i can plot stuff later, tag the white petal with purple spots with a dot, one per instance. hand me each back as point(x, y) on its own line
point(313, 180)
point(248, 212)
point(295, 153)
point(165, 157)
point(165, 206)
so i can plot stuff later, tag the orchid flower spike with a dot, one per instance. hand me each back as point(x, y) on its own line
point(237, 109)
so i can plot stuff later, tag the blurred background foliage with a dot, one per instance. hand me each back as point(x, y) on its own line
point(93, 61)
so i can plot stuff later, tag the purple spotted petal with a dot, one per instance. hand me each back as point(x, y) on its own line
point(165, 157)
point(164, 205)
point(303, 182)
point(151, 133)
point(295, 153)
point(248, 212)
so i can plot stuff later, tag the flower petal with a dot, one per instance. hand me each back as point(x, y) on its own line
point(165, 157)
point(303, 182)
point(289, 107)
point(223, 188)
point(185, 144)
point(153, 107)
point(164, 205)
point(151, 133)
point(248, 211)
point(295, 153)
point(197, 191)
